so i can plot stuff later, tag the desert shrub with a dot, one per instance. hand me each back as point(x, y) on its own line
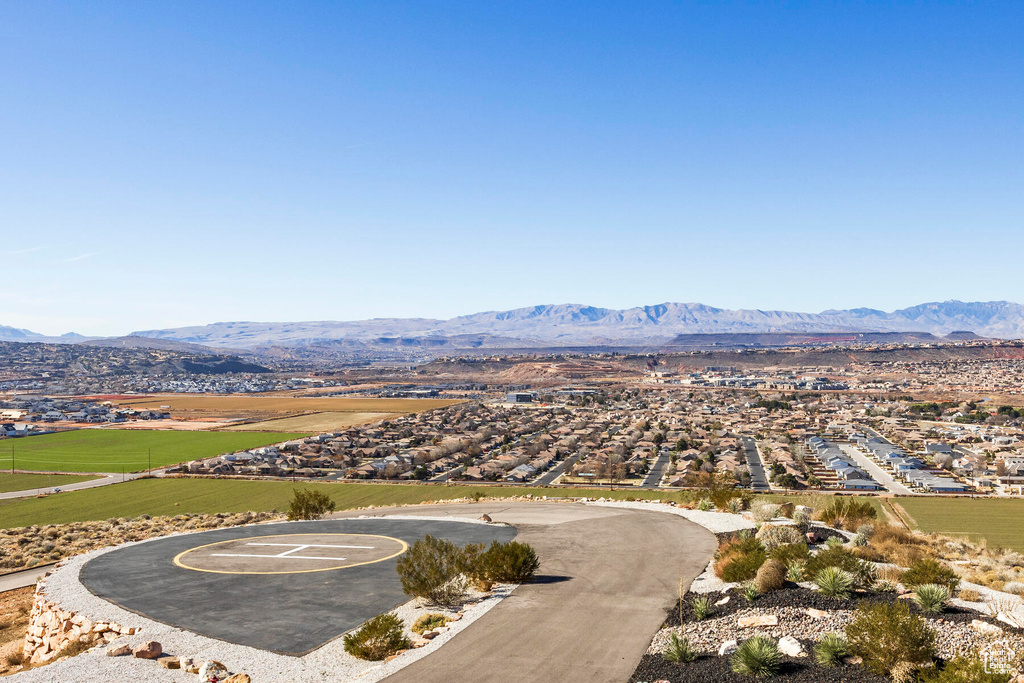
point(735, 506)
point(847, 513)
point(433, 569)
point(962, 669)
point(834, 582)
point(802, 520)
point(1014, 588)
point(834, 542)
point(883, 586)
point(428, 622)
point(309, 504)
point(830, 650)
point(968, 595)
point(839, 556)
point(885, 634)
point(750, 592)
point(705, 505)
point(787, 554)
point(511, 562)
point(678, 650)
point(771, 576)
point(378, 638)
point(930, 571)
point(758, 656)
point(765, 512)
point(866, 531)
point(701, 607)
point(796, 571)
point(931, 597)
point(772, 536)
point(739, 559)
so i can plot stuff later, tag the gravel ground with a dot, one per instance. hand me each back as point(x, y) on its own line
point(713, 668)
point(328, 663)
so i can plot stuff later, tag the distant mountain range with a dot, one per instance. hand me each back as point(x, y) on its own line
point(575, 325)
point(579, 325)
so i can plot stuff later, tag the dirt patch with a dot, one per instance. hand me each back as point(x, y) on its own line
point(14, 613)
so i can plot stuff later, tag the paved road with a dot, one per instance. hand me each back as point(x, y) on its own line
point(555, 472)
point(758, 479)
point(876, 472)
point(23, 579)
point(104, 480)
point(607, 578)
point(653, 477)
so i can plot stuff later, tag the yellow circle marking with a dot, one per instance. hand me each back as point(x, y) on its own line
point(178, 561)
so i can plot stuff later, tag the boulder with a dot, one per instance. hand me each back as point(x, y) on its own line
point(212, 668)
point(188, 664)
point(758, 620)
point(238, 678)
point(169, 662)
point(722, 601)
point(985, 628)
point(148, 650)
point(816, 613)
point(1014, 619)
point(119, 651)
point(791, 647)
point(728, 647)
point(786, 509)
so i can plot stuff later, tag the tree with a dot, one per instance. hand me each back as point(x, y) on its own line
point(309, 504)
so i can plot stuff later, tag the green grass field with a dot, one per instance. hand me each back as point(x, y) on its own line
point(997, 520)
point(24, 482)
point(110, 450)
point(177, 496)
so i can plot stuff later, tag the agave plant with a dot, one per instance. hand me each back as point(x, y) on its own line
point(931, 597)
point(759, 656)
point(834, 583)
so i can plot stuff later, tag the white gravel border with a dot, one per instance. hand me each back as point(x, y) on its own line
point(327, 663)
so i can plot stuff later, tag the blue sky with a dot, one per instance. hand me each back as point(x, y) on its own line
point(180, 163)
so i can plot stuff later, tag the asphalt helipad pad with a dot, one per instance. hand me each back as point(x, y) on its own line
point(288, 588)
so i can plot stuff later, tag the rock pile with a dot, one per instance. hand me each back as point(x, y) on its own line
point(52, 629)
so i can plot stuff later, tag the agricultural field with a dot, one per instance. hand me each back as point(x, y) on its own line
point(997, 520)
point(261, 408)
point(172, 496)
point(107, 450)
point(24, 482)
point(313, 423)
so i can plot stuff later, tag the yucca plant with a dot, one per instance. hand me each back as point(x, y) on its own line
point(830, 650)
point(759, 657)
point(883, 586)
point(678, 650)
point(931, 597)
point(735, 506)
point(701, 607)
point(705, 505)
point(750, 591)
point(796, 571)
point(834, 583)
point(833, 542)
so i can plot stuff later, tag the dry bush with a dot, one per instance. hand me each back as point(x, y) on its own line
point(890, 574)
point(771, 576)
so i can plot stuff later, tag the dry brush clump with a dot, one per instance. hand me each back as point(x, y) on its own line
point(26, 547)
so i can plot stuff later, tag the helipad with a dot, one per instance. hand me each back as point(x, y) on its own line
point(288, 587)
point(290, 553)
